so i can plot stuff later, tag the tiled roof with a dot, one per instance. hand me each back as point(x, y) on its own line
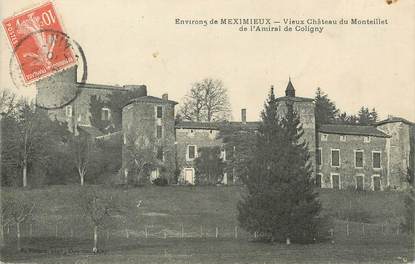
point(110, 87)
point(92, 131)
point(216, 125)
point(394, 119)
point(246, 125)
point(198, 125)
point(150, 99)
point(101, 86)
point(352, 130)
point(295, 99)
point(114, 136)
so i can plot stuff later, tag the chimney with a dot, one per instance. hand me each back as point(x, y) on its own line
point(243, 115)
point(165, 96)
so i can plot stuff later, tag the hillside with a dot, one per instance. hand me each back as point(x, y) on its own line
point(193, 207)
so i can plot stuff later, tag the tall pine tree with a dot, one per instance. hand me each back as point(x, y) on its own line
point(326, 110)
point(280, 203)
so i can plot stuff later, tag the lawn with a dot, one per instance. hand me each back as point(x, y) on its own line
point(212, 251)
point(206, 205)
point(199, 214)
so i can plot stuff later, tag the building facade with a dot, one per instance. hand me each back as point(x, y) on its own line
point(343, 156)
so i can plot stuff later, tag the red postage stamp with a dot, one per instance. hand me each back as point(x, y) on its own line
point(39, 44)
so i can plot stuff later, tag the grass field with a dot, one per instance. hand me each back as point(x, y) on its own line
point(213, 251)
point(166, 210)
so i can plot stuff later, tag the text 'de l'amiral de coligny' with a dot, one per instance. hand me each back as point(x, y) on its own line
point(309, 25)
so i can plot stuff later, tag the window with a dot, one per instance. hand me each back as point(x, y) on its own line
point(105, 114)
point(359, 182)
point(223, 154)
point(324, 137)
point(358, 159)
point(366, 139)
point(319, 176)
point(230, 151)
point(376, 159)
point(68, 110)
point(160, 155)
point(159, 112)
point(159, 132)
point(343, 138)
point(335, 158)
point(124, 137)
point(191, 152)
point(335, 181)
point(319, 156)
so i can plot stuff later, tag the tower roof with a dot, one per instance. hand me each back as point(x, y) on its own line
point(290, 91)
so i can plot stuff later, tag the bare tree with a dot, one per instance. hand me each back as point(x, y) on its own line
point(82, 151)
point(8, 102)
point(141, 154)
point(206, 101)
point(98, 208)
point(16, 209)
point(37, 135)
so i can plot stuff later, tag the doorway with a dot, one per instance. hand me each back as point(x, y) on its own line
point(189, 175)
point(335, 181)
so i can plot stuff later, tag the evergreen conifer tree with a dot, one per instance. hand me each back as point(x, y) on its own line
point(280, 203)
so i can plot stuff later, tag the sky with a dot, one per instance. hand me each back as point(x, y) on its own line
point(138, 42)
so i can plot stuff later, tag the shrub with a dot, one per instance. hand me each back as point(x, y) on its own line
point(160, 181)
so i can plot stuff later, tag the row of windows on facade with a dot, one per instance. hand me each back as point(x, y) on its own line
point(336, 182)
point(343, 138)
point(106, 112)
point(191, 153)
point(358, 158)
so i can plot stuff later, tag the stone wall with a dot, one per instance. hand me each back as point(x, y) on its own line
point(63, 87)
point(347, 169)
point(398, 151)
point(199, 138)
point(306, 112)
point(140, 122)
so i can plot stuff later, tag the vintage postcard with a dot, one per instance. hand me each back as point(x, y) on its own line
point(207, 131)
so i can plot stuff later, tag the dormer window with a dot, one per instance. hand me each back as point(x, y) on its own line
point(105, 114)
point(343, 138)
point(366, 139)
point(324, 137)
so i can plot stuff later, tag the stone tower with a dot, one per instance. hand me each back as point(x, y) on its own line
point(67, 100)
point(148, 128)
point(305, 108)
point(399, 149)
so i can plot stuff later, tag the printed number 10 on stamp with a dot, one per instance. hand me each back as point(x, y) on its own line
point(39, 44)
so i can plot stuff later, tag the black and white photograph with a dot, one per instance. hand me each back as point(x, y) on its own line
point(207, 131)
